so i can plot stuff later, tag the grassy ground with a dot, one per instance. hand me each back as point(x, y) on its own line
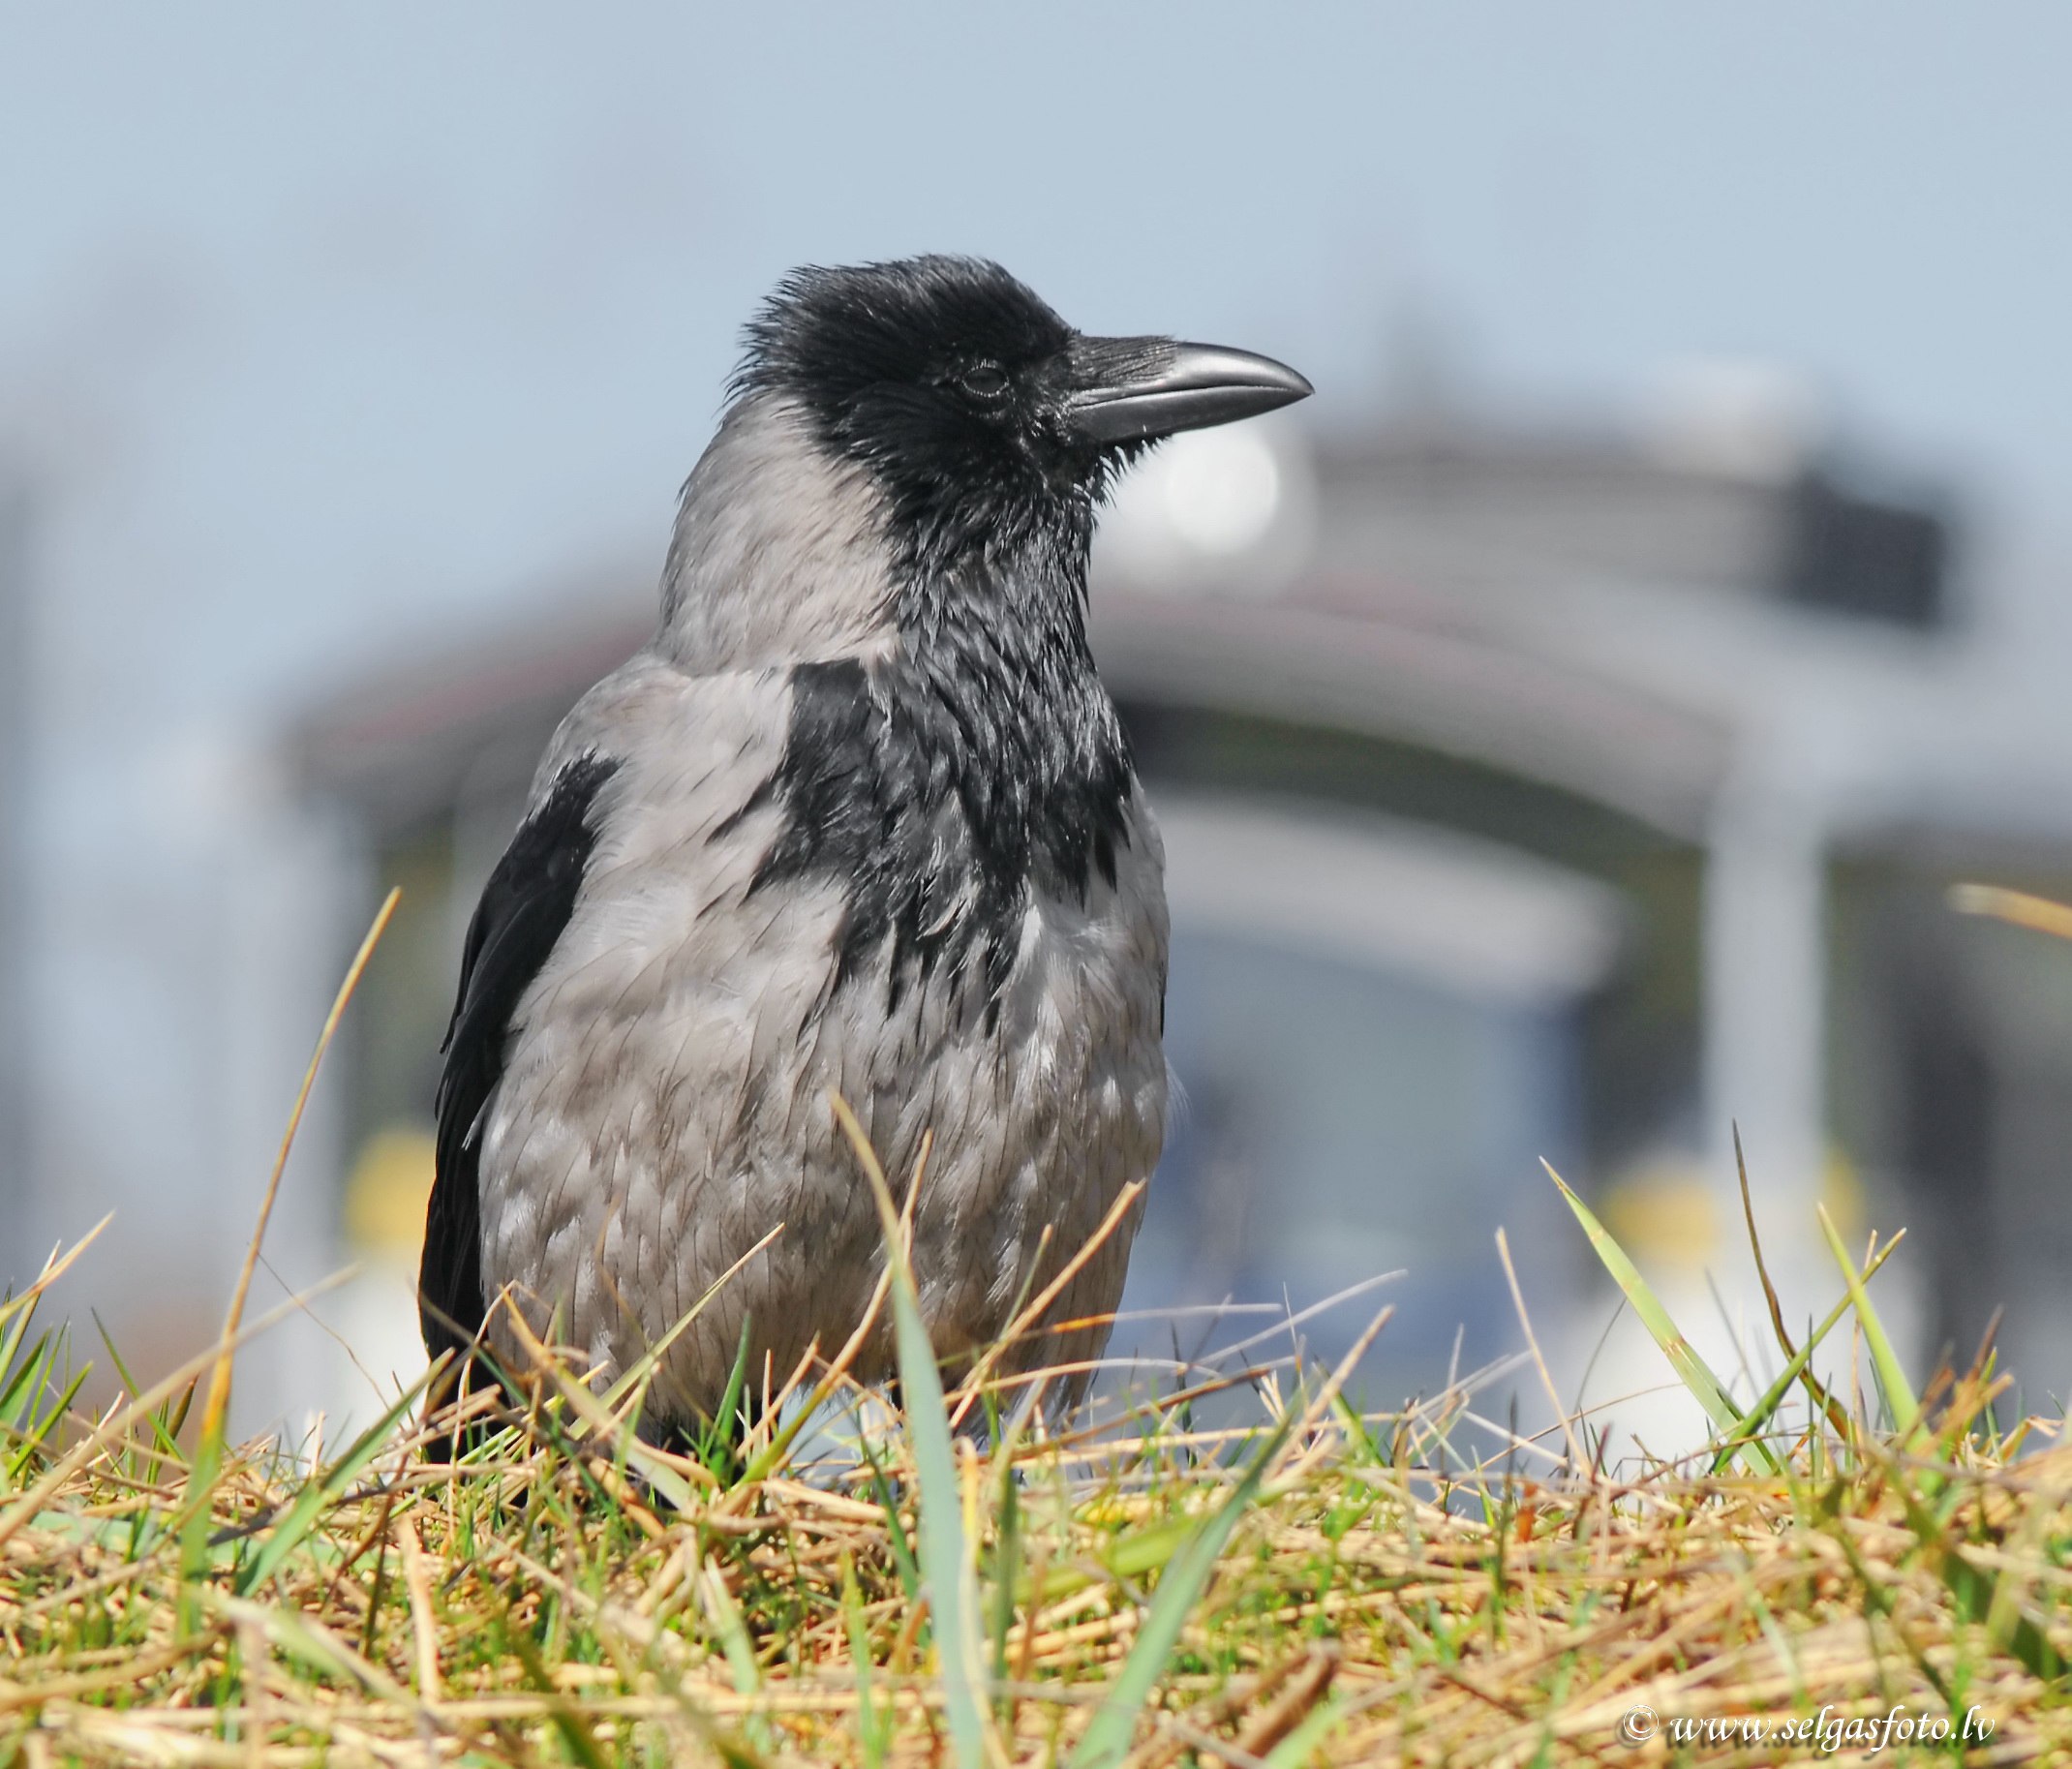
point(1836, 1576)
point(1320, 1587)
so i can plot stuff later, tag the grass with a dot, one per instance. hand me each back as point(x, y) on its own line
point(1324, 1585)
point(1317, 1583)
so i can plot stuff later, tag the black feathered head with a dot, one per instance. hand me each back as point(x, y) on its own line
point(984, 416)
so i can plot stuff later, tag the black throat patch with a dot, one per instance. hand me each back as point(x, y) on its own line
point(939, 788)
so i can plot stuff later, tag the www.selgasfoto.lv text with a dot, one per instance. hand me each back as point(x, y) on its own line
point(1826, 1731)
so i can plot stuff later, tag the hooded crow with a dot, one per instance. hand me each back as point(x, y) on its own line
point(859, 820)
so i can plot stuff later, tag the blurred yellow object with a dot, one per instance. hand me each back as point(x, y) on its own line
point(1841, 1190)
point(386, 1192)
point(1662, 1213)
point(2019, 907)
point(1665, 1210)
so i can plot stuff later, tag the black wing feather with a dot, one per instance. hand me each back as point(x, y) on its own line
point(524, 907)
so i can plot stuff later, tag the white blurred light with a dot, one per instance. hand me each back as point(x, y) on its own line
point(1229, 509)
point(1221, 489)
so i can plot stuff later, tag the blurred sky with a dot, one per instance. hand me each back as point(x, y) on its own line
point(322, 327)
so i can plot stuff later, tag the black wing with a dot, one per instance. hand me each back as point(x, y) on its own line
point(525, 904)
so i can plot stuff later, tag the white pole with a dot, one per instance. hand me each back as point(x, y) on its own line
point(1765, 1025)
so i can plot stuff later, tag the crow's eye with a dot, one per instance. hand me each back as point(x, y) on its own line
point(984, 379)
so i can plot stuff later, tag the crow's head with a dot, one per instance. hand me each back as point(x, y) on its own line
point(986, 420)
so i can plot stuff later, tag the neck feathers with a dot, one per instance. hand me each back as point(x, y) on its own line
point(779, 555)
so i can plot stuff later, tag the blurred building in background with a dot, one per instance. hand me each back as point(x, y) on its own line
point(1526, 796)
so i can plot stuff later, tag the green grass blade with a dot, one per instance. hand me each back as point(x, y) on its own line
point(873, 1726)
point(1300, 1745)
point(1692, 1369)
point(317, 1495)
point(725, 1618)
point(1838, 1417)
point(719, 1436)
point(197, 1517)
point(1891, 1374)
point(166, 1443)
point(307, 1640)
point(946, 1566)
point(1978, 1592)
point(608, 1427)
point(42, 1420)
point(1007, 1566)
point(1758, 1415)
point(902, 1550)
point(13, 1366)
point(574, 1734)
point(18, 1389)
point(944, 1560)
point(1107, 1741)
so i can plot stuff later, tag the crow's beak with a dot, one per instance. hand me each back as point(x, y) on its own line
point(1137, 390)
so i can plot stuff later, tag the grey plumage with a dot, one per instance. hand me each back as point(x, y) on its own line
point(860, 819)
